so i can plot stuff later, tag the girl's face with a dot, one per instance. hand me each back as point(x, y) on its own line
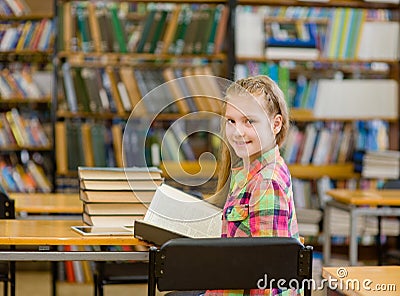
point(249, 129)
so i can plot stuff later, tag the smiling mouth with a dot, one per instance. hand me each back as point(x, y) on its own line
point(241, 143)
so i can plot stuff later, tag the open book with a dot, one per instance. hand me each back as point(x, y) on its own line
point(174, 213)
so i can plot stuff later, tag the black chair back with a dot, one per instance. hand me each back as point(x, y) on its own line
point(7, 269)
point(7, 210)
point(229, 263)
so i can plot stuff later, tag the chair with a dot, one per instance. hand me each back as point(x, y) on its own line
point(7, 269)
point(116, 273)
point(229, 263)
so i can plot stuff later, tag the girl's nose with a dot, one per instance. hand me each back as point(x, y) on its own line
point(239, 130)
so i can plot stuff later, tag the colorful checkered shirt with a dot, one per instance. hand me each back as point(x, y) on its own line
point(260, 203)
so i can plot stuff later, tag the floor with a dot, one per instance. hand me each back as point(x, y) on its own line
point(37, 283)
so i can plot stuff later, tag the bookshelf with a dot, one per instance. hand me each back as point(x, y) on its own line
point(101, 79)
point(26, 50)
point(317, 52)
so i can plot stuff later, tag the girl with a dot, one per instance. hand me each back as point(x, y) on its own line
point(260, 198)
point(254, 182)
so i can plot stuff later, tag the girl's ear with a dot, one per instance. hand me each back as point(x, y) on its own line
point(277, 124)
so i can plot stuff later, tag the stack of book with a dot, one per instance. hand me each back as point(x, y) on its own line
point(381, 164)
point(116, 196)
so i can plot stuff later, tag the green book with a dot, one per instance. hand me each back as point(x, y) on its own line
point(60, 28)
point(119, 32)
point(74, 146)
point(182, 27)
point(206, 23)
point(284, 81)
point(99, 144)
point(146, 30)
point(159, 25)
point(81, 91)
point(210, 45)
point(83, 26)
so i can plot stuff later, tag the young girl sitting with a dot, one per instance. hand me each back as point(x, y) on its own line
point(260, 198)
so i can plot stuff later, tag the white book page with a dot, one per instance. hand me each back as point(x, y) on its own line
point(177, 211)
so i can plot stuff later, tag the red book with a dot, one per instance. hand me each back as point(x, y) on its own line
point(69, 268)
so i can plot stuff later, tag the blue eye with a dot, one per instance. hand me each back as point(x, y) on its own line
point(250, 121)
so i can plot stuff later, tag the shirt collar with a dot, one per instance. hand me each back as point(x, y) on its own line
point(241, 176)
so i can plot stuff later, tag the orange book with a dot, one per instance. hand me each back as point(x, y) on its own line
point(171, 29)
point(197, 94)
point(87, 143)
point(132, 88)
point(173, 85)
point(69, 267)
point(94, 26)
point(33, 45)
point(116, 131)
point(61, 148)
point(67, 26)
point(221, 30)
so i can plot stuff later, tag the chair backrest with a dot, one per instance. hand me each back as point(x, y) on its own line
point(228, 263)
point(7, 210)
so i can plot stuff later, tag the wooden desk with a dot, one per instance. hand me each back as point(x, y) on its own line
point(58, 232)
point(47, 203)
point(358, 203)
point(370, 280)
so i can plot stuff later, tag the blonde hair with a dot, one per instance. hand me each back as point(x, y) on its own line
point(274, 104)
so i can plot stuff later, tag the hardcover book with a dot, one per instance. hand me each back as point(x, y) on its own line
point(174, 213)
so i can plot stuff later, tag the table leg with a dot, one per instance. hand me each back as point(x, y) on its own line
point(353, 245)
point(54, 270)
point(327, 235)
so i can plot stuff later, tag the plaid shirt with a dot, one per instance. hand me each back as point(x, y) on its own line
point(260, 203)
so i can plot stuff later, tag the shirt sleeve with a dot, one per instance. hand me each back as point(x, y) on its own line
point(268, 209)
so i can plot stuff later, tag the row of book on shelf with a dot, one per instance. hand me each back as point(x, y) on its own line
point(96, 144)
point(18, 130)
point(336, 33)
point(300, 90)
point(23, 177)
point(322, 143)
point(23, 82)
point(326, 96)
point(142, 28)
point(120, 90)
point(14, 8)
point(27, 35)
